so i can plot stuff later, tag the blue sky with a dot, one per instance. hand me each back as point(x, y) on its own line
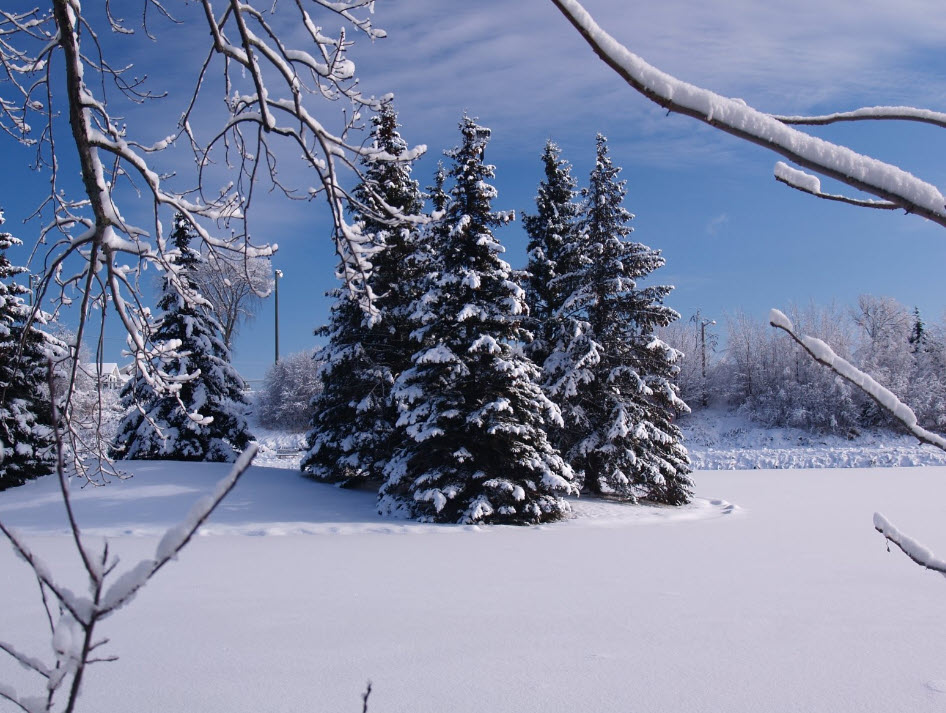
point(733, 237)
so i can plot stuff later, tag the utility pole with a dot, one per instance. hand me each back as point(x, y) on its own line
point(704, 323)
point(278, 274)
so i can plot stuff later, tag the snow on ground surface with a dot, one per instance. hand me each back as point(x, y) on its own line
point(721, 440)
point(772, 592)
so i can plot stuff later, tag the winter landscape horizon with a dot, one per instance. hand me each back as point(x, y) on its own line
point(436, 356)
point(771, 590)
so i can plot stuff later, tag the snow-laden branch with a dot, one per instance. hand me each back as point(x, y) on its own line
point(282, 77)
point(74, 646)
point(916, 551)
point(806, 183)
point(886, 399)
point(871, 113)
point(733, 116)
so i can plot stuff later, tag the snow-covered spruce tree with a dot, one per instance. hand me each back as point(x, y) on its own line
point(554, 253)
point(608, 371)
point(27, 436)
point(204, 420)
point(474, 449)
point(354, 415)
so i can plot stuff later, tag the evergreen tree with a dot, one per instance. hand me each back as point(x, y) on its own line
point(474, 449)
point(918, 333)
point(27, 435)
point(354, 416)
point(554, 251)
point(608, 371)
point(205, 419)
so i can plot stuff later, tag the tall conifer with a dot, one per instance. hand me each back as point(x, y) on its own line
point(353, 417)
point(27, 436)
point(608, 371)
point(474, 449)
point(205, 419)
point(554, 250)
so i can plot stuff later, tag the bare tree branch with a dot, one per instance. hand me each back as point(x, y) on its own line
point(806, 183)
point(873, 113)
point(910, 547)
point(886, 399)
point(735, 117)
point(54, 61)
point(74, 645)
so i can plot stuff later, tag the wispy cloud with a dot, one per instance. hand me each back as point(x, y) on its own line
point(716, 223)
point(522, 66)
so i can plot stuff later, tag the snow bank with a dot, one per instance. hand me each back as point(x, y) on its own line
point(719, 440)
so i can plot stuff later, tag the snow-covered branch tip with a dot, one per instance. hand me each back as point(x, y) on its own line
point(870, 113)
point(806, 183)
point(733, 116)
point(910, 547)
point(886, 399)
point(74, 646)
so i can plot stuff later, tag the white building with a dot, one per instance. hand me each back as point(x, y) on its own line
point(111, 377)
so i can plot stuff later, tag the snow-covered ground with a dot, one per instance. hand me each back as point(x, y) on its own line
point(720, 440)
point(772, 592)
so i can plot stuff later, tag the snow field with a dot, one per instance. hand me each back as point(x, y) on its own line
point(772, 592)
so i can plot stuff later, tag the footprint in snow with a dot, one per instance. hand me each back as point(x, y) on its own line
point(727, 507)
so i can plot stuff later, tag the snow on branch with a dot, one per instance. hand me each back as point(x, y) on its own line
point(806, 183)
point(74, 646)
point(886, 399)
point(733, 116)
point(871, 113)
point(910, 547)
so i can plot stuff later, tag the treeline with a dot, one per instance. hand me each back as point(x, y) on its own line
point(764, 375)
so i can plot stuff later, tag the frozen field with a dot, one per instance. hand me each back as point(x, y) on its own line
point(772, 592)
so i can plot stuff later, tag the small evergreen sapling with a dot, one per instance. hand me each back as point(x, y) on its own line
point(204, 419)
point(472, 414)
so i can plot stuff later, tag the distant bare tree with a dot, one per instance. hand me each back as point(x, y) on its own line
point(235, 285)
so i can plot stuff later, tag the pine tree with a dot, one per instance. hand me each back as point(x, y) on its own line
point(554, 251)
point(205, 419)
point(353, 421)
point(918, 333)
point(27, 435)
point(474, 449)
point(608, 371)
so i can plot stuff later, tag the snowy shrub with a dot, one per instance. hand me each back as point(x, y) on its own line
point(288, 389)
point(768, 378)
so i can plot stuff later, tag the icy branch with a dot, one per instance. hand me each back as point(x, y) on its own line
point(74, 646)
point(274, 85)
point(910, 547)
point(886, 399)
point(174, 540)
point(887, 182)
point(806, 183)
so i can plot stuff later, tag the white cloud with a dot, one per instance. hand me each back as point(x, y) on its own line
point(715, 224)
